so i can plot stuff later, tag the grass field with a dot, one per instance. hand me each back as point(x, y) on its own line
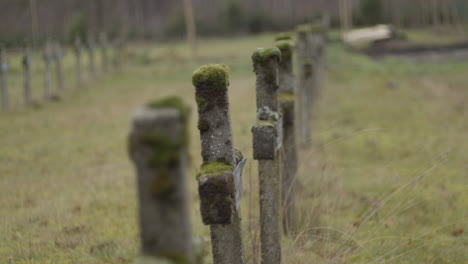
point(385, 180)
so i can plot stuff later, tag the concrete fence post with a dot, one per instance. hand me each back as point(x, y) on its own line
point(287, 98)
point(78, 50)
point(220, 177)
point(103, 44)
point(267, 141)
point(158, 148)
point(91, 47)
point(3, 77)
point(58, 56)
point(118, 46)
point(26, 62)
point(48, 57)
point(318, 46)
point(306, 81)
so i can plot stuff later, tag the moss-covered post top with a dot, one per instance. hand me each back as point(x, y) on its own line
point(283, 36)
point(211, 77)
point(174, 102)
point(286, 47)
point(265, 55)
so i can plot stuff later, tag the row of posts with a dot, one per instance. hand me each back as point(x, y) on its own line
point(52, 56)
point(158, 147)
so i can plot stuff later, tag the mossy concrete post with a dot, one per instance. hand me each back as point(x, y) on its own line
point(218, 186)
point(287, 84)
point(267, 141)
point(48, 57)
point(58, 56)
point(306, 81)
point(103, 45)
point(78, 50)
point(91, 47)
point(157, 146)
point(26, 62)
point(3, 77)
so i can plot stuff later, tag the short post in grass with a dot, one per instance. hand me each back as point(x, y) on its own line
point(58, 56)
point(91, 47)
point(48, 57)
point(306, 81)
point(103, 45)
point(26, 62)
point(220, 177)
point(158, 148)
point(287, 105)
point(267, 142)
point(3, 77)
point(78, 48)
point(118, 46)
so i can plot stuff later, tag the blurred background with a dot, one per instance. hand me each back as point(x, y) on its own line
point(33, 20)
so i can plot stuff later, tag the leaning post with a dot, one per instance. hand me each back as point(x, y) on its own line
point(158, 149)
point(48, 57)
point(306, 81)
point(3, 77)
point(103, 44)
point(267, 142)
point(287, 98)
point(78, 50)
point(58, 56)
point(27, 75)
point(220, 179)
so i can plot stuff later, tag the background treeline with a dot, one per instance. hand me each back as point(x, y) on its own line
point(26, 20)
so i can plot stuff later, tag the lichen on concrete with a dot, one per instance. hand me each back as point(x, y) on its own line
point(283, 36)
point(213, 169)
point(171, 102)
point(286, 47)
point(211, 76)
point(263, 55)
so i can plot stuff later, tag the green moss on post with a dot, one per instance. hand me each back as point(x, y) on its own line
point(286, 48)
point(213, 169)
point(283, 36)
point(212, 76)
point(263, 55)
point(172, 102)
point(286, 96)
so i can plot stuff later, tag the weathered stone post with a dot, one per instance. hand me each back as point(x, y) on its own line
point(103, 44)
point(157, 146)
point(48, 57)
point(287, 84)
point(27, 75)
point(220, 179)
point(318, 45)
point(58, 56)
point(306, 81)
point(118, 46)
point(267, 141)
point(78, 50)
point(91, 47)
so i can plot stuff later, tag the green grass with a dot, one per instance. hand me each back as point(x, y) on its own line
point(384, 181)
